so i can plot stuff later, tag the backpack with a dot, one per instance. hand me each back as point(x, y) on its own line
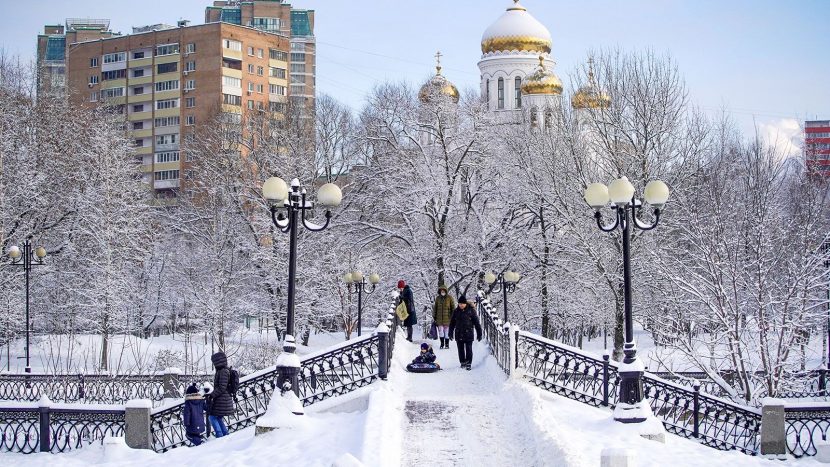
point(233, 382)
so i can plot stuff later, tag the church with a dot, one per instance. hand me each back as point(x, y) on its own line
point(518, 83)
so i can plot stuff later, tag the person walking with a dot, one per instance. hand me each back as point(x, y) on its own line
point(193, 417)
point(221, 402)
point(464, 320)
point(441, 314)
point(407, 298)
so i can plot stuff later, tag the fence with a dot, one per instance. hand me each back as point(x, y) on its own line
point(807, 384)
point(97, 389)
point(805, 424)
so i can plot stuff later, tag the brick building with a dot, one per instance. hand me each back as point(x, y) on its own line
point(817, 146)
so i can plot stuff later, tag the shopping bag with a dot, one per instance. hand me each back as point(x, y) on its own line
point(401, 311)
point(433, 331)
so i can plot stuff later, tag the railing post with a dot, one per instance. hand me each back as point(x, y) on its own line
point(137, 424)
point(81, 390)
point(383, 350)
point(696, 413)
point(822, 381)
point(170, 383)
point(773, 428)
point(45, 422)
point(605, 358)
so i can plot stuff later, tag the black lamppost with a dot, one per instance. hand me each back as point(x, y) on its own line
point(288, 212)
point(27, 258)
point(626, 208)
point(506, 283)
point(357, 279)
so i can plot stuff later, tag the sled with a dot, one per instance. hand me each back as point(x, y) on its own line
point(423, 367)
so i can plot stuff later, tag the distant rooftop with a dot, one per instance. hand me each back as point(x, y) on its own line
point(87, 23)
point(152, 27)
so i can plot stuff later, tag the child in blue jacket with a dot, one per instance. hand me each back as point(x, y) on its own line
point(194, 414)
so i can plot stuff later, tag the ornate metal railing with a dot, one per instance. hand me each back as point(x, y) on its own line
point(496, 332)
point(337, 371)
point(98, 389)
point(804, 424)
point(49, 429)
point(686, 412)
point(800, 385)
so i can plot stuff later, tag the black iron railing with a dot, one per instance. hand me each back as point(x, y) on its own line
point(496, 332)
point(805, 424)
point(48, 429)
point(799, 385)
point(96, 389)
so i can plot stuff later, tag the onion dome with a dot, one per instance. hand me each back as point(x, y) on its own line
point(516, 30)
point(590, 96)
point(438, 85)
point(542, 81)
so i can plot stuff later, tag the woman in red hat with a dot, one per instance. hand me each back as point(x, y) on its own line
point(407, 298)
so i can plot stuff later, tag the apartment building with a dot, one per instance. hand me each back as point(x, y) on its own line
point(277, 17)
point(166, 80)
point(52, 49)
point(817, 146)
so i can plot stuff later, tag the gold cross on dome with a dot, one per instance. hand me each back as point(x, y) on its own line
point(438, 62)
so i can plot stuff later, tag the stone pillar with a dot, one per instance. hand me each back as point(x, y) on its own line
point(773, 428)
point(285, 408)
point(45, 424)
point(515, 371)
point(137, 424)
point(170, 383)
point(383, 350)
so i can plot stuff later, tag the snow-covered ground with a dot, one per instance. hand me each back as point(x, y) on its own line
point(452, 417)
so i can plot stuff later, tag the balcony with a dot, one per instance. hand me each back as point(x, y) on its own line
point(136, 116)
point(165, 184)
point(168, 58)
point(146, 79)
point(167, 147)
point(141, 62)
point(147, 96)
point(143, 133)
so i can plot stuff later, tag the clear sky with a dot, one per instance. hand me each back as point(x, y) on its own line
point(766, 61)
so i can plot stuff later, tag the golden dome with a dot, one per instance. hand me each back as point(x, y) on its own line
point(516, 30)
point(438, 85)
point(590, 96)
point(542, 81)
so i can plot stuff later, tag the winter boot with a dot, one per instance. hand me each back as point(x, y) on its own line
point(443, 345)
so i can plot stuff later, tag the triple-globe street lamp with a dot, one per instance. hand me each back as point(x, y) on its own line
point(506, 284)
point(626, 209)
point(27, 257)
point(358, 280)
point(288, 213)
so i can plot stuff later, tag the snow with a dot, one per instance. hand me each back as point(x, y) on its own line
point(139, 404)
point(516, 23)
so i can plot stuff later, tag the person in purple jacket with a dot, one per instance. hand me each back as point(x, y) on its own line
point(193, 417)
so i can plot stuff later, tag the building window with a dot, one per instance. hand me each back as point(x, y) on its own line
point(276, 89)
point(112, 92)
point(93, 96)
point(167, 104)
point(251, 105)
point(167, 175)
point(167, 67)
point(190, 102)
point(114, 74)
point(166, 121)
point(275, 54)
point(501, 94)
point(260, 53)
point(138, 55)
point(276, 72)
point(517, 88)
point(165, 157)
point(297, 79)
point(297, 46)
point(276, 107)
point(93, 79)
point(298, 68)
point(167, 85)
point(297, 57)
point(139, 143)
point(548, 119)
point(190, 120)
point(115, 57)
point(260, 88)
point(138, 90)
point(487, 93)
point(266, 24)
point(230, 99)
point(297, 89)
point(138, 108)
point(190, 84)
point(190, 48)
point(138, 125)
point(167, 49)
point(231, 44)
point(93, 62)
point(250, 68)
point(231, 82)
point(232, 64)
point(251, 51)
point(162, 140)
point(250, 87)
point(260, 70)
point(138, 73)
point(190, 66)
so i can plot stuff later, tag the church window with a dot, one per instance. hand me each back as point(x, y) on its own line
point(501, 94)
point(517, 89)
point(548, 119)
point(487, 93)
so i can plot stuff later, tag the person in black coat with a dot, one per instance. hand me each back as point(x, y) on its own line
point(221, 402)
point(464, 320)
point(193, 417)
point(407, 297)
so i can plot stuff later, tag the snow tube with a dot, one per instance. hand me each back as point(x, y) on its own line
point(423, 367)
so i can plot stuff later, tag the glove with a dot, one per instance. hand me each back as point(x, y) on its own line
point(479, 338)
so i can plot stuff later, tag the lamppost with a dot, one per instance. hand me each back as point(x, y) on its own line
point(357, 279)
point(506, 284)
point(288, 212)
point(27, 258)
point(621, 194)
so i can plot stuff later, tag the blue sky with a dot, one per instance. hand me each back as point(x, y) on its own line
point(765, 61)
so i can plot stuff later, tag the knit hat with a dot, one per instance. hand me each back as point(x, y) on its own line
point(192, 389)
point(462, 299)
point(424, 346)
point(401, 284)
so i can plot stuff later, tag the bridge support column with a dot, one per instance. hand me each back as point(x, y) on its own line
point(383, 350)
point(773, 428)
point(516, 372)
point(137, 424)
